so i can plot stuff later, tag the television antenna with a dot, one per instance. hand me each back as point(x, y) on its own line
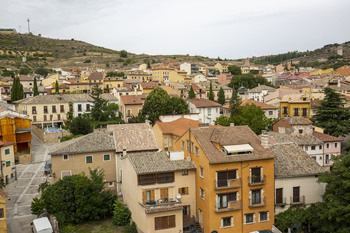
point(28, 26)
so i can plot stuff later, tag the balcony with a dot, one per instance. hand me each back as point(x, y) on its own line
point(257, 180)
point(299, 200)
point(162, 205)
point(260, 203)
point(230, 206)
point(282, 202)
point(228, 184)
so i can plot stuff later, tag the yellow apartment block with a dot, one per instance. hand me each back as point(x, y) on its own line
point(295, 105)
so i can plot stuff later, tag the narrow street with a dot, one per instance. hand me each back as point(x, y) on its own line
point(22, 191)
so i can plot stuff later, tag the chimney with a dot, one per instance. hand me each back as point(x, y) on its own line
point(232, 124)
point(124, 152)
point(339, 82)
point(265, 139)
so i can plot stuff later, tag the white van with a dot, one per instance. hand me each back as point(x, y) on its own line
point(41, 225)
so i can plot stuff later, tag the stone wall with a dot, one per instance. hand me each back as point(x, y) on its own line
point(26, 158)
point(48, 137)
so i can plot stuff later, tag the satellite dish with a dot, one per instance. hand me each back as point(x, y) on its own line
point(178, 196)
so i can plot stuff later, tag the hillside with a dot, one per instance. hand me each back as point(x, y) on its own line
point(53, 53)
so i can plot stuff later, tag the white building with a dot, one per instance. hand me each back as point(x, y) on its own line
point(259, 92)
point(208, 110)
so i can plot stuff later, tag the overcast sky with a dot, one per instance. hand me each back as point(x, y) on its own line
point(229, 29)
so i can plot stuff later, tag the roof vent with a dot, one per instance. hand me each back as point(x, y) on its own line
point(203, 125)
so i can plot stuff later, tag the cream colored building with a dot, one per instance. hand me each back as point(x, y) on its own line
point(222, 67)
point(3, 198)
point(159, 190)
point(8, 166)
point(91, 151)
point(138, 74)
point(161, 74)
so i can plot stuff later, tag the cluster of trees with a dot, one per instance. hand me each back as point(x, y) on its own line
point(234, 70)
point(277, 59)
point(158, 102)
point(16, 90)
point(332, 115)
point(248, 81)
point(115, 74)
point(330, 215)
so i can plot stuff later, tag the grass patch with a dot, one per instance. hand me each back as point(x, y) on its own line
point(69, 137)
point(99, 226)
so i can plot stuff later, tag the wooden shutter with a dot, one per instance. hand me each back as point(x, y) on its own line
point(296, 194)
point(164, 194)
point(152, 195)
point(279, 196)
point(144, 197)
point(171, 222)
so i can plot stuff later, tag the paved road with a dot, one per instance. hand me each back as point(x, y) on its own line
point(22, 191)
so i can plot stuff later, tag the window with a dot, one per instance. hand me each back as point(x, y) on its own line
point(335, 145)
point(209, 111)
point(225, 176)
point(227, 222)
point(327, 145)
point(201, 171)
point(51, 117)
point(7, 151)
point(249, 218)
point(65, 173)
point(8, 163)
point(34, 118)
point(320, 147)
point(270, 113)
point(148, 195)
point(285, 110)
point(256, 196)
point(45, 109)
point(147, 179)
point(182, 144)
point(79, 108)
point(65, 157)
point(296, 111)
point(128, 112)
point(304, 111)
point(224, 199)
point(197, 151)
point(61, 108)
point(170, 141)
point(188, 145)
point(45, 118)
point(300, 131)
point(165, 177)
point(33, 110)
point(201, 193)
point(313, 147)
point(186, 210)
point(110, 184)
point(192, 147)
point(256, 175)
point(1, 213)
point(88, 107)
point(296, 194)
point(107, 157)
point(183, 191)
point(165, 222)
point(185, 172)
point(263, 216)
point(88, 159)
point(327, 159)
point(279, 196)
point(165, 142)
point(54, 108)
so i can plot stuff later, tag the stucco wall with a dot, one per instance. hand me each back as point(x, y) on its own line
point(47, 137)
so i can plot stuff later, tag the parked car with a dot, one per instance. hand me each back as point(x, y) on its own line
point(41, 225)
point(47, 169)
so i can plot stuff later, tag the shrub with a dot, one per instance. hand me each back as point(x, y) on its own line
point(130, 228)
point(121, 214)
point(38, 206)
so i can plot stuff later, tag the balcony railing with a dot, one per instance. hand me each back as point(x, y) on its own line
point(297, 200)
point(162, 205)
point(261, 202)
point(229, 206)
point(257, 180)
point(226, 184)
point(282, 202)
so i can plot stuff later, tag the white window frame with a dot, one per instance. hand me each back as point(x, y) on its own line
point(267, 216)
point(202, 193)
point(104, 157)
point(92, 158)
point(245, 219)
point(67, 157)
point(70, 172)
point(201, 171)
point(222, 222)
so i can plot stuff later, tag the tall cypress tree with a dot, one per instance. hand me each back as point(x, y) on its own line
point(57, 89)
point(221, 98)
point(20, 89)
point(211, 93)
point(35, 89)
point(191, 94)
point(235, 102)
point(14, 93)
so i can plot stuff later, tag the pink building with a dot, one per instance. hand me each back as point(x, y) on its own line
point(332, 146)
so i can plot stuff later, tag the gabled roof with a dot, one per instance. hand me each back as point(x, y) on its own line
point(95, 76)
point(291, 160)
point(149, 85)
point(225, 136)
point(203, 103)
point(134, 137)
point(93, 142)
point(131, 99)
point(301, 140)
point(260, 88)
point(326, 137)
point(155, 162)
point(258, 104)
point(179, 126)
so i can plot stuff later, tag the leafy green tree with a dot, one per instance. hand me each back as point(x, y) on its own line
point(156, 104)
point(235, 102)
point(121, 214)
point(115, 74)
point(293, 217)
point(177, 106)
point(99, 104)
point(78, 198)
point(140, 118)
point(25, 71)
point(148, 64)
point(331, 115)
point(110, 111)
point(221, 98)
point(211, 93)
point(191, 94)
point(248, 80)
point(234, 70)
point(223, 121)
point(131, 228)
point(80, 125)
point(42, 71)
point(123, 53)
point(37, 206)
point(35, 88)
point(252, 116)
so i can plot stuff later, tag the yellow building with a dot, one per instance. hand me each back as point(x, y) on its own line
point(234, 180)
point(295, 105)
point(111, 82)
point(178, 76)
point(3, 224)
point(139, 75)
point(161, 74)
point(222, 67)
point(131, 106)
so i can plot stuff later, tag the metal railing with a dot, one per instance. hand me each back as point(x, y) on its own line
point(257, 203)
point(299, 200)
point(283, 202)
point(225, 184)
point(257, 180)
point(228, 206)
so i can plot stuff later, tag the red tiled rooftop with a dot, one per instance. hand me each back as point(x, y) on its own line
point(3, 194)
point(131, 99)
point(258, 104)
point(326, 137)
point(203, 103)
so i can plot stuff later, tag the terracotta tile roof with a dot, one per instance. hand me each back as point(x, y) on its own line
point(232, 135)
point(196, 88)
point(258, 104)
point(2, 143)
point(302, 140)
point(3, 194)
point(260, 88)
point(344, 70)
point(131, 99)
point(155, 162)
point(203, 103)
point(326, 137)
point(134, 137)
point(295, 98)
point(93, 142)
point(149, 85)
point(297, 120)
point(95, 76)
point(291, 160)
point(179, 126)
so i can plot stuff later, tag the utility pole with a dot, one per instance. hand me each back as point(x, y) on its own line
point(28, 26)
